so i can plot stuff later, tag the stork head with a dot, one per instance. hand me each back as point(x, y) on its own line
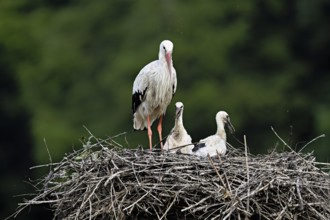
point(223, 121)
point(178, 109)
point(165, 50)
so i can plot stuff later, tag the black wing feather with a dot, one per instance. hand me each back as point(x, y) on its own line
point(137, 99)
point(198, 146)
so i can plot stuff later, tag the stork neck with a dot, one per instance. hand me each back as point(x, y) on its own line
point(221, 131)
point(178, 123)
point(162, 58)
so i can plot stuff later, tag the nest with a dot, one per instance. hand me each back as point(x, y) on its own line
point(104, 181)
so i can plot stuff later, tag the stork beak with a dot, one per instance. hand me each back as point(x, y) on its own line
point(178, 111)
point(168, 57)
point(229, 125)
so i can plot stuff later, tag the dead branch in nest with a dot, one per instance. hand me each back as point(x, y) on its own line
point(104, 181)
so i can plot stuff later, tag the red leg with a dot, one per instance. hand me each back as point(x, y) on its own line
point(149, 133)
point(159, 128)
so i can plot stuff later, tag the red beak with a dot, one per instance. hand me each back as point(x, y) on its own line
point(168, 57)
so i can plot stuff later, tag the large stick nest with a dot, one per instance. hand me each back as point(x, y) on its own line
point(104, 181)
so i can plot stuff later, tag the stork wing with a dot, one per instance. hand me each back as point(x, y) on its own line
point(198, 146)
point(140, 87)
point(141, 83)
point(174, 80)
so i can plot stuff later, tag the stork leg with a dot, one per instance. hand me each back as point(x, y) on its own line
point(159, 129)
point(149, 133)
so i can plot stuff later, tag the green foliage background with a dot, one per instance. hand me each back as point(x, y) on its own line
point(69, 63)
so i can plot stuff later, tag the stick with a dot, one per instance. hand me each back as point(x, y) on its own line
point(321, 136)
point(216, 170)
point(247, 175)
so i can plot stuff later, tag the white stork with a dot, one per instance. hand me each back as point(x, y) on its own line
point(153, 89)
point(215, 144)
point(179, 136)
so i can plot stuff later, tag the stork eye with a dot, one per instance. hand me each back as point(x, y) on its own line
point(164, 48)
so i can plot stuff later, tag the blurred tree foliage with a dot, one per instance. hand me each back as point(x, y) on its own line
point(264, 62)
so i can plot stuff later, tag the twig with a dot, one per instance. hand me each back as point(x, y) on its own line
point(247, 176)
point(224, 173)
point(49, 156)
point(321, 136)
point(285, 144)
point(196, 204)
point(216, 170)
point(169, 207)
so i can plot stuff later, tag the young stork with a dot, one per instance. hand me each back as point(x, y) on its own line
point(178, 136)
point(215, 144)
point(153, 89)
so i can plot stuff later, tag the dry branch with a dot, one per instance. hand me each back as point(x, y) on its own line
point(104, 181)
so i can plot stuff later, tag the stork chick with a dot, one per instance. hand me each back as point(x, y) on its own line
point(179, 136)
point(153, 89)
point(215, 144)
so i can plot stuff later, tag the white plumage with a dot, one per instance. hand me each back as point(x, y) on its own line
point(178, 136)
point(153, 89)
point(215, 144)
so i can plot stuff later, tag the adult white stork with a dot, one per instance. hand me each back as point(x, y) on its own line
point(153, 89)
point(215, 144)
point(179, 136)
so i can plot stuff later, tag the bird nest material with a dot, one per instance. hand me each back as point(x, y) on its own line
point(104, 181)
